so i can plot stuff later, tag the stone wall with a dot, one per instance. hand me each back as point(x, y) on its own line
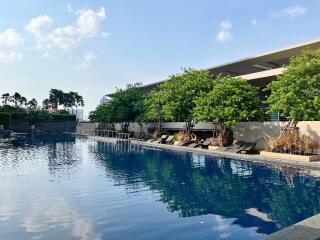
point(46, 126)
point(258, 132)
point(86, 128)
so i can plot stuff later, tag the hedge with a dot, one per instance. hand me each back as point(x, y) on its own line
point(64, 117)
point(5, 119)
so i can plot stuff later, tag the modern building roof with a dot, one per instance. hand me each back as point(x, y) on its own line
point(259, 69)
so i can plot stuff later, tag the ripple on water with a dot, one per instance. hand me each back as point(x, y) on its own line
point(59, 187)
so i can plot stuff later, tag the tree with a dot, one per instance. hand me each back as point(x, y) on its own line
point(16, 98)
point(68, 100)
point(296, 93)
point(102, 114)
point(56, 98)
point(230, 101)
point(32, 104)
point(179, 93)
point(6, 98)
point(78, 100)
point(23, 101)
point(46, 104)
point(154, 107)
point(125, 106)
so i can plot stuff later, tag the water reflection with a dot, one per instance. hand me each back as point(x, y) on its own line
point(194, 185)
point(59, 187)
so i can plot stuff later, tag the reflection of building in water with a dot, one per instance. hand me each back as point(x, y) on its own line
point(241, 168)
point(198, 160)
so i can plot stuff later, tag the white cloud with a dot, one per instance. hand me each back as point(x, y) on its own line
point(9, 57)
point(254, 22)
point(291, 12)
point(224, 33)
point(86, 61)
point(10, 38)
point(67, 37)
point(89, 21)
point(39, 25)
point(69, 8)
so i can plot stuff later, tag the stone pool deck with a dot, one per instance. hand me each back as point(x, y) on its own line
point(308, 229)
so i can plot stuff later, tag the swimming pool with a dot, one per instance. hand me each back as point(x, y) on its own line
point(64, 187)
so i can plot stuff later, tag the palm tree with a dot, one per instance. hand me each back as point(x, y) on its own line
point(79, 100)
point(16, 98)
point(46, 104)
point(56, 98)
point(5, 97)
point(32, 104)
point(23, 101)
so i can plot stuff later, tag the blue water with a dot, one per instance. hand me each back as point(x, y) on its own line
point(62, 187)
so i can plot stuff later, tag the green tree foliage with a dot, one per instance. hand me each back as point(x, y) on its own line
point(58, 97)
point(180, 91)
point(296, 93)
point(32, 104)
point(5, 119)
point(126, 105)
point(230, 101)
point(5, 98)
point(154, 106)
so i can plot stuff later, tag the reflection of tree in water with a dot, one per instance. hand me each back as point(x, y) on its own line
point(218, 186)
point(61, 152)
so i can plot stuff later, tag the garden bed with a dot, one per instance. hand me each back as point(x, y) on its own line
point(292, 157)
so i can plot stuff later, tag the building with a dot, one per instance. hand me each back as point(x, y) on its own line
point(104, 100)
point(78, 112)
point(259, 70)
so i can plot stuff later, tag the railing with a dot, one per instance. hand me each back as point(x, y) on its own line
point(112, 134)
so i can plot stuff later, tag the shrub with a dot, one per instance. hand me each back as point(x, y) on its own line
point(63, 117)
point(5, 119)
point(179, 136)
point(291, 142)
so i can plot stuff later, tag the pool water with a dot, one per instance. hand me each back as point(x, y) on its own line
point(63, 187)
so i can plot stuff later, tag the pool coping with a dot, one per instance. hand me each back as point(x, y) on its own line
point(308, 229)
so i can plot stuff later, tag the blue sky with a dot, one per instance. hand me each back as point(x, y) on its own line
point(93, 46)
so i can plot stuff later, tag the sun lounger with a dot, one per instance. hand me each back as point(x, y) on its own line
point(206, 143)
point(169, 140)
point(183, 143)
point(241, 147)
point(193, 145)
point(162, 139)
point(150, 140)
point(248, 147)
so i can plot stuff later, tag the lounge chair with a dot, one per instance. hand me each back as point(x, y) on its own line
point(193, 145)
point(206, 143)
point(239, 147)
point(150, 140)
point(235, 147)
point(169, 140)
point(248, 147)
point(161, 140)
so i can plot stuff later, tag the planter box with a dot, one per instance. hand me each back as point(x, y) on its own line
point(292, 157)
point(213, 148)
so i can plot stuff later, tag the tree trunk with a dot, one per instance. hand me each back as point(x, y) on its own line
point(188, 128)
point(125, 127)
point(224, 135)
